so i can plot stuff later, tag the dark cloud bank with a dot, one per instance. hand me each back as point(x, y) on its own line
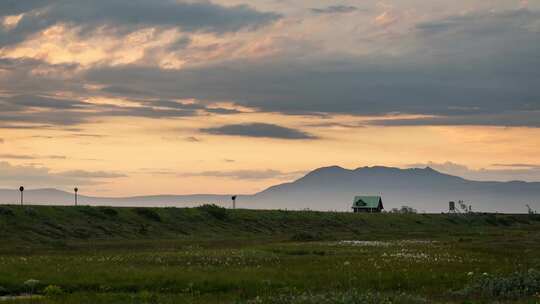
point(476, 69)
point(473, 69)
point(259, 130)
point(123, 16)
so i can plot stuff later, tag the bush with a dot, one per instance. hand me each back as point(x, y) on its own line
point(6, 212)
point(30, 211)
point(108, 211)
point(215, 211)
point(53, 291)
point(534, 217)
point(3, 291)
point(517, 285)
point(147, 297)
point(90, 211)
point(305, 237)
point(31, 285)
point(148, 214)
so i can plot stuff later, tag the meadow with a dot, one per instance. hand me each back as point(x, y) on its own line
point(213, 255)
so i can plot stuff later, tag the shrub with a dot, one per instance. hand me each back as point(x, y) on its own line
point(31, 285)
point(305, 237)
point(6, 212)
point(90, 211)
point(492, 220)
point(108, 211)
point(534, 217)
point(517, 285)
point(147, 297)
point(30, 211)
point(215, 211)
point(148, 214)
point(3, 291)
point(53, 291)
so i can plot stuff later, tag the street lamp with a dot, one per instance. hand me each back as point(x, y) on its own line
point(76, 190)
point(233, 201)
point(21, 189)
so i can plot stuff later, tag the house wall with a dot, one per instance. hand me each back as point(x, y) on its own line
point(366, 210)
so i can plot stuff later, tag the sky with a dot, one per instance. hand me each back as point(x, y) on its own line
point(135, 97)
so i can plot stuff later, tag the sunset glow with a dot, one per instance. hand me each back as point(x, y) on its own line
point(233, 96)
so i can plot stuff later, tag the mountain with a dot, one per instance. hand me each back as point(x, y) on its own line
point(332, 188)
point(424, 189)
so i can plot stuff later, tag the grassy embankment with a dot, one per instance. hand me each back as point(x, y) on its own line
point(212, 255)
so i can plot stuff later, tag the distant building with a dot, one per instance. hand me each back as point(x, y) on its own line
point(369, 204)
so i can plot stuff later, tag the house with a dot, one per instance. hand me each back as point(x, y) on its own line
point(370, 204)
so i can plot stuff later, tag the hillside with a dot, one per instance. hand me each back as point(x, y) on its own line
point(55, 225)
point(332, 188)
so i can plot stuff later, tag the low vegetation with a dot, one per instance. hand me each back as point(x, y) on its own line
point(214, 255)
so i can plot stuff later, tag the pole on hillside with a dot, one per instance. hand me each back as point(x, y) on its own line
point(233, 201)
point(21, 189)
point(76, 190)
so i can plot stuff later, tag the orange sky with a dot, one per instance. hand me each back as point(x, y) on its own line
point(248, 95)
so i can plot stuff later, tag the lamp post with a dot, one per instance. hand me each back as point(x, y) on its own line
point(76, 190)
point(233, 201)
point(21, 189)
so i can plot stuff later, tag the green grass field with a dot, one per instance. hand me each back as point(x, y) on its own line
point(213, 255)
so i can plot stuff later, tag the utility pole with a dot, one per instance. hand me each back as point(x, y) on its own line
point(76, 190)
point(21, 189)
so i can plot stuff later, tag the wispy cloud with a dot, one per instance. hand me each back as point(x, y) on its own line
point(24, 156)
point(192, 139)
point(39, 176)
point(248, 174)
point(335, 9)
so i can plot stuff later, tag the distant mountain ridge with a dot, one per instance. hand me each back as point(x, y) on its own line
point(422, 188)
point(332, 188)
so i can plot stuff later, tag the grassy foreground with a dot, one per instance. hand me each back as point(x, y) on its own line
point(212, 255)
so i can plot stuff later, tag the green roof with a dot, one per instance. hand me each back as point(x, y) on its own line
point(366, 201)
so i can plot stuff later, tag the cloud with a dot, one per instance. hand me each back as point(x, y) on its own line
point(192, 139)
point(23, 156)
point(36, 101)
point(507, 118)
point(122, 16)
point(498, 172)
point(76, 174)
point(335, 9)
point(465, 75)
point(1, 140)
point(259, 130)
point(34, 111)
point(517, 165)
point(38, 176)
point(124, 91)
point(476, 68)
point(248, 174)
